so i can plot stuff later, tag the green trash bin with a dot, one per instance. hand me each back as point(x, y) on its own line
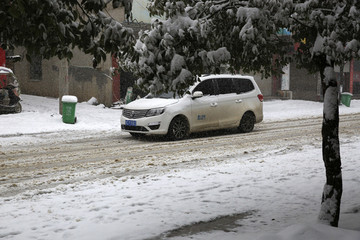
point(346, 98)
point(68, 108)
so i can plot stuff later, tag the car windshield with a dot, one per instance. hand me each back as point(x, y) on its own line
point(168, 95)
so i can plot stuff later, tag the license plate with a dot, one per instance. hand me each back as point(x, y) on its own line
point(130, 122)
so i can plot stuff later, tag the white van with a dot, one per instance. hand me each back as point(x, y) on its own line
point(215, 102)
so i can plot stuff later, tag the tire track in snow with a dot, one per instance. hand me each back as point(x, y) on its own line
point(61, 161)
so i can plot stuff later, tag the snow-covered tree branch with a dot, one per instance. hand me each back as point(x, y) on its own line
point(241, 35)
point(53, 28)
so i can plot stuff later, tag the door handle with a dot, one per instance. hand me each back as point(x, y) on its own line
point(213, 104)
point(238, 101)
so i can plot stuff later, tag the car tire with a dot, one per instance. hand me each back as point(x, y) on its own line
point(247, 122)
point(178, 129)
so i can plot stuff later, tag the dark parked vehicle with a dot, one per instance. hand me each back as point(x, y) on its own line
point(9, 92)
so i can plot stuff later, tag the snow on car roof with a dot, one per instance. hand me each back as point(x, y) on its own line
point(207, 76)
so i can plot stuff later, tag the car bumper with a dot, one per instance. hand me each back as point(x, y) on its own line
point(259, 118)
point(156, 125)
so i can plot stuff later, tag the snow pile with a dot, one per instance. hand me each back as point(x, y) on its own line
point(93, 101)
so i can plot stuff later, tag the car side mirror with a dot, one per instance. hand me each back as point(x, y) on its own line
point(197, 94)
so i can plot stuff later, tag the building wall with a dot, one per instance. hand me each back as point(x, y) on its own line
point(265, 85)
point(355, 88)
point(304, 85)
point(46, 86)
point(86, 82)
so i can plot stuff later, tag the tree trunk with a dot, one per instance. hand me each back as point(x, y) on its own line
point(63, 81)
point(331, 197)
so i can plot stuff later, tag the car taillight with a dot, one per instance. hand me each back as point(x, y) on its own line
point(260, 97)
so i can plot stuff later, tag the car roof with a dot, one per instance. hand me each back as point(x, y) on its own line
point(204, 77)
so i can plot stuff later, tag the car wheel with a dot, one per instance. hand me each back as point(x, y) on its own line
point(18, 108)
point(178, 129)
point(247, 122)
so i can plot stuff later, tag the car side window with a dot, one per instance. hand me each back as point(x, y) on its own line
point(225, 85)
point(206, 87)
point(243, 85)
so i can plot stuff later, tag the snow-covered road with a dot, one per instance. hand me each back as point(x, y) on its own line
point(61, 161)
point(80, 182)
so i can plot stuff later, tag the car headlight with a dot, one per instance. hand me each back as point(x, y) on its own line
point(155, 112)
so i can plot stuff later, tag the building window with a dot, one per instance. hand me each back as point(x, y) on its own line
point(36, 68)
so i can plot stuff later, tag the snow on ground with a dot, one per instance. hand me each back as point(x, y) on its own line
point(41, 114)
point(284, 200)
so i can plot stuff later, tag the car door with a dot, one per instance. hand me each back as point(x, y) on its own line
point(228, 103)
point(245, 91)
point(204, 110)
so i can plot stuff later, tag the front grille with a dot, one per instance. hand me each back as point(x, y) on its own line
point(134, 128)
point(134, 114)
